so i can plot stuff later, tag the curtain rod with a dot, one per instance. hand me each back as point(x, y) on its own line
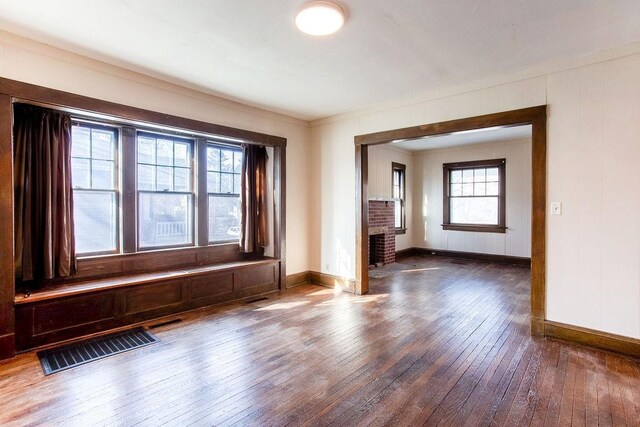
point(99, 118)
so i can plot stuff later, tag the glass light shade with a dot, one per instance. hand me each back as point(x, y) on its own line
point(320, 18)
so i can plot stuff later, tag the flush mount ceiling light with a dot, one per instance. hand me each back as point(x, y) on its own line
point(320, 18)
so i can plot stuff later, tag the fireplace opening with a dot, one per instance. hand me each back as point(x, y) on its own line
point(376, 249)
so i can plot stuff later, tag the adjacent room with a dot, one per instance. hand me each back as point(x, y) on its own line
point(319, 212)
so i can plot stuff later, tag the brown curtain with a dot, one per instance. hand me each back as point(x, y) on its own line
point(253, 234)
point(44, 246)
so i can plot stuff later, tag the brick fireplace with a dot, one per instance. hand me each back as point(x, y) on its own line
point(382, 234)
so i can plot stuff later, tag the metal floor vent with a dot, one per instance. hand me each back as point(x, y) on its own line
point(72, 355)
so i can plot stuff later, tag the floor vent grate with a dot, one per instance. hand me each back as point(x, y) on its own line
point(72, 355)
point(251, 301)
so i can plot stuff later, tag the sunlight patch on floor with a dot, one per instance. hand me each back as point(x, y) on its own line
point(416, 270)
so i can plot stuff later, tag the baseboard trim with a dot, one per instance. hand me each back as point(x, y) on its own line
point(331, 281)
point(7, 346)
point(592, 338)
point(406, 252)
point(298, 279)
point(322, 279)
point(501, 259)
point(537, 327)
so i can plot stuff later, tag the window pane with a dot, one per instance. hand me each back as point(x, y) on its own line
point(224, 218)
point(227, 160)
point(95, 221)
point(181, 179)
point(474, 210)
point(237, 183)
point(467, 175)
point(456, 176)
point(102, 174)
point(80, 173)
point(146, 177)
point(165, 178)
point(492, 174)
point(398, 214)
point(492, 189)
point(213, 159)
point(456, 190)
point(467, 189)
point(213, 182)
point(164, 219)
point(80, 141)
point(237, 161)
point(478, 175)
point(226, 183)
point(102, 144)
point(479, 189)
point(165, 153)
point(181, 154)
point(146, 150)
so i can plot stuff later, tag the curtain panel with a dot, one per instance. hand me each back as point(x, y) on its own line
point(253, 225)
point(44, 235)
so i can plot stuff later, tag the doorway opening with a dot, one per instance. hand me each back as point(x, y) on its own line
point(491, 218)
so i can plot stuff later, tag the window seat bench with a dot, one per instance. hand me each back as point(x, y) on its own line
point(68, 311)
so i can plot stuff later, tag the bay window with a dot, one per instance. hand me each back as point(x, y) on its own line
point(140, 190)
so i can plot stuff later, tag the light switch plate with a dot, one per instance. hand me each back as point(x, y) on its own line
point(556, 208)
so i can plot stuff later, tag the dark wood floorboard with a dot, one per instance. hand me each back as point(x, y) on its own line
point(437, 341)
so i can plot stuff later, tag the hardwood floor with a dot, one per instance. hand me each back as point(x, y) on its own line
point(437, 341)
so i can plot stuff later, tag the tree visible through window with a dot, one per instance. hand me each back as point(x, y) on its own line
point(165, 191)
point(224, 171)
point(94, 181)
point(474, 198)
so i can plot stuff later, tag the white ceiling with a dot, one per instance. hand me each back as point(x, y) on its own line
point(458, 139)
point(249, 50)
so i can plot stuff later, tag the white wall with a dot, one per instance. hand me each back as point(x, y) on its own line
point(593, 249)
point(427, 230)
point(380, 185)
point(32, 62)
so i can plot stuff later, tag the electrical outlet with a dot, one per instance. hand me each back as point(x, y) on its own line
point(556, 208)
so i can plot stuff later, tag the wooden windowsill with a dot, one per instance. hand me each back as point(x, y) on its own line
point(176, 249)
point(475, 228)
point(401, 231)
point(66, 290)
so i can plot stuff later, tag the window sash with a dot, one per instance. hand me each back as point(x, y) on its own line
point(114, 216)
point(191, 219)
point(224, 195)
point(115, 179)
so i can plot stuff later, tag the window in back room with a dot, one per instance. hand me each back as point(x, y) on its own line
point(474, 196)
point(398, 183)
